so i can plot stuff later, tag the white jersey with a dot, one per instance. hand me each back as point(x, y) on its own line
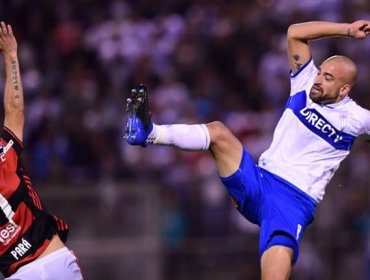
point(310, 140)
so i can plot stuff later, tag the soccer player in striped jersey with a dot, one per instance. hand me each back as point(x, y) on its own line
point(314, 134)
point(31, 239)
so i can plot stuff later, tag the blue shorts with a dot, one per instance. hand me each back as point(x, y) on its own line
point(280, 209)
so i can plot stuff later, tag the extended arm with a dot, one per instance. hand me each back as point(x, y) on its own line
point(13, 96)
point(300, 34)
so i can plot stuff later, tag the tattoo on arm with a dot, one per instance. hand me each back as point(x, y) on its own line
point(14, 76)
point(297, 63)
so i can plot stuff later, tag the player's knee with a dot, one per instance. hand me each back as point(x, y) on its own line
point(219, 133)
point(276, 263)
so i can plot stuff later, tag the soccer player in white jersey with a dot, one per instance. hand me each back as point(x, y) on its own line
point(314, 134)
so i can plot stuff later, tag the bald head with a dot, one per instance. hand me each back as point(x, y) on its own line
point(344, 68)
point(334, 81)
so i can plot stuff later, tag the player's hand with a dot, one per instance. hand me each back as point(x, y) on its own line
point(359, 29)
point(8, 43)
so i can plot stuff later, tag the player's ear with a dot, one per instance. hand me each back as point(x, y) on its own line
point(344, 90)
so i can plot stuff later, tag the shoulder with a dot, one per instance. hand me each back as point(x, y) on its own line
point(359, 117)
point(304, 78)
point(307, 70)
point(357, 110)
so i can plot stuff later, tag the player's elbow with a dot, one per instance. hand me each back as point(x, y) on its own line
point(293, 32)
point(16, 109)
point(15, 122)
point(298, 32)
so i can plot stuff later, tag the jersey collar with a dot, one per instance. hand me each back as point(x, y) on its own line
point(338, 104)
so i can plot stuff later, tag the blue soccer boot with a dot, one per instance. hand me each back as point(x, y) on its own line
point(139, 124)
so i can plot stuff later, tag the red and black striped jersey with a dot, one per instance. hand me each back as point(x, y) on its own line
point(26, 228)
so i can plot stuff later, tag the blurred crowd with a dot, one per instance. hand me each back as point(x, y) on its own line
point(201, 61)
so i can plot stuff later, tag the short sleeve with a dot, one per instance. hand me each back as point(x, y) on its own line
point(304, 78)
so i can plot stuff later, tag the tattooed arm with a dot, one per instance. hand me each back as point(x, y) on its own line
point(13, 96)
point(300, 34)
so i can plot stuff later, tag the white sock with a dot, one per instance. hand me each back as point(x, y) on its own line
point(187, 137)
